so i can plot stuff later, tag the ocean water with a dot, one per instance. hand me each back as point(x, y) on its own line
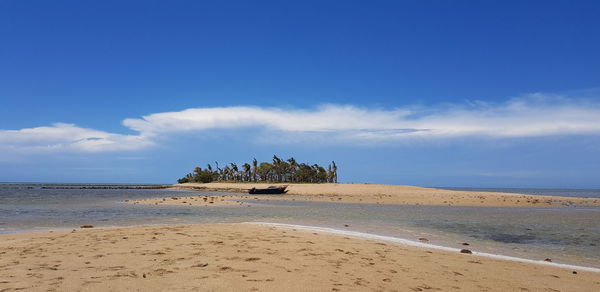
point(568, 235)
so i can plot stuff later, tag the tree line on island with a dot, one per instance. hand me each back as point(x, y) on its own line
point(278, 170)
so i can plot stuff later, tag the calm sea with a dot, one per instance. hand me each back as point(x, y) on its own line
point(567, 235)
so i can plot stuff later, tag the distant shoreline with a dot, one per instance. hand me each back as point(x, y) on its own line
point(512, 190)
point(377, 194)
point(61, 186)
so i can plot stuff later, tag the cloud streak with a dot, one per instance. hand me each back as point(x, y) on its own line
point(534, 115)
point(68, 137)
point(529, 116)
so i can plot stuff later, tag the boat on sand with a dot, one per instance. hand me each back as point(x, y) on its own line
point(272, 190)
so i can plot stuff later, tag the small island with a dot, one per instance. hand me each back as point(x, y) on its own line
point(277, 171)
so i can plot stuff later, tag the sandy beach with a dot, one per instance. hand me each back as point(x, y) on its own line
point(255, 257)
point(244, 257)
point(368, 193)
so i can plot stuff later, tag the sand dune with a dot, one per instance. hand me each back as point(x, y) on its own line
point(242, 257)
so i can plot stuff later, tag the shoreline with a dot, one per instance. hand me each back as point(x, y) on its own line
point(247, 256)
point(241, 200)
point(326, 230)
point(269, 256)
point(408, 242)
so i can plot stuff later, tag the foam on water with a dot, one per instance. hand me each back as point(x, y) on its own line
point(420, 244)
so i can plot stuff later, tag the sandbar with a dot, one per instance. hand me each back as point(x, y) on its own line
point(367, 193)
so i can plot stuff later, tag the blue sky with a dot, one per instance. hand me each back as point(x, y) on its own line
point(434, 93)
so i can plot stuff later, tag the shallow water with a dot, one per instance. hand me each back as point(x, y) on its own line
point(568, 235)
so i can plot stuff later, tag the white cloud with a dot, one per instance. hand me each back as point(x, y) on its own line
point(534, 115)
point(529, 116)
point(62, 136)
point(328, 118)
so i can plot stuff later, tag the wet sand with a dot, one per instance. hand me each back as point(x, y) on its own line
point(244, 257)
point(369, 193)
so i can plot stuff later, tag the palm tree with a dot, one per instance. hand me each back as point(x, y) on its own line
point(278, 171)
point(246, 168)
point(234, 171)
point(293, 168)
point(226, 172)
point(277, 167)
point(334, 169)
point(219, 171)
point(254, 166)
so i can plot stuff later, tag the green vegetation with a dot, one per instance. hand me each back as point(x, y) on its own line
point(277, 171)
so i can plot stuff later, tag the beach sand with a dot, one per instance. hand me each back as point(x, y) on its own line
point(368, 193)
point(245, 257)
